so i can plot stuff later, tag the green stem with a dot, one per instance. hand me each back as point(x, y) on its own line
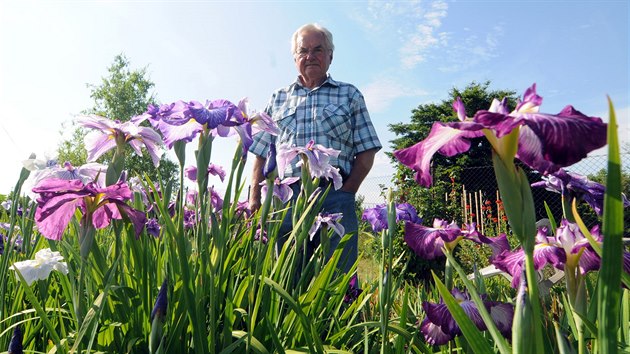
point(532, 285)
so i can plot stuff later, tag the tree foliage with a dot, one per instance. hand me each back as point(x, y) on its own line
point(122, 94)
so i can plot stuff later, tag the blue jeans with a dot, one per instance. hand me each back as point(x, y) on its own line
point(337, 201)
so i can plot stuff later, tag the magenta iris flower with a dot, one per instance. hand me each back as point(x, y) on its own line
point(428, 242)
point(60, 198)
point(439, 326)
point(377, 216)
point(111, 133)
point(545, 142)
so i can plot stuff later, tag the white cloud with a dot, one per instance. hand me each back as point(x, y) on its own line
point(472, 50)
point(380, 93)
point(414, 24)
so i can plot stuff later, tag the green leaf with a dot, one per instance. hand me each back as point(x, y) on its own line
point(609, 292)
point(473, 335)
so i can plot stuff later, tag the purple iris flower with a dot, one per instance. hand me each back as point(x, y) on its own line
point(17, 239)
point(281, 189)
point(428, 242)
point(245, 125)
point(377, 216)
point(546, 142)
point(261, 235)
point(190, 218)
point(60, 198)
point(242, 208)
point(90, 172)
point(439, 326)
point(329, 219)
point(354, 290)
point(318, 157)
point(572, 185)
point(215, 170)
point(216, 200)
point(568, 249)
point(153, 227)
point(112, 133)
point(183, 121)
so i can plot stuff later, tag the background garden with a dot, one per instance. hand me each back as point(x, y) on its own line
point(206, 280)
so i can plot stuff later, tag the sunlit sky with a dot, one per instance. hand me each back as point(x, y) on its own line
point(399, 54)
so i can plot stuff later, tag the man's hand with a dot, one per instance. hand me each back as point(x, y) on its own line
point(363, 162)
point(255, 187)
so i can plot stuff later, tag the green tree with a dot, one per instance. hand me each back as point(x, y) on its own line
point(121, 95)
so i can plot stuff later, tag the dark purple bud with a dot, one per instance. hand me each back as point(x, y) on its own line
point(161, 303)
point(270, 163)
point(15, 346)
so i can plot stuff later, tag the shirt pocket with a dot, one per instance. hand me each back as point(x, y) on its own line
point(286, 120)
point(336, 121)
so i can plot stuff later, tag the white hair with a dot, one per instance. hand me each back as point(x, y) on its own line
point(313, 27)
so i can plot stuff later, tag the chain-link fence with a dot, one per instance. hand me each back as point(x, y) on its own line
point(479, 188)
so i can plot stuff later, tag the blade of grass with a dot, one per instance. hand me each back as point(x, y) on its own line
point(609, 292)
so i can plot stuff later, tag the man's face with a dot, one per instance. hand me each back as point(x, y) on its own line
point(312, 58)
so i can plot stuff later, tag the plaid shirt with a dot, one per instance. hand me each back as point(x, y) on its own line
point(333, 115)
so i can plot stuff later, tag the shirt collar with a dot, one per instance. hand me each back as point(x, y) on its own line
point(329, 81)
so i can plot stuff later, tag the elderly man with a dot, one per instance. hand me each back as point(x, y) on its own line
point(331, 113)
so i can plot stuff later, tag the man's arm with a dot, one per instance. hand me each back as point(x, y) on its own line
point(255, 187)
point(363, 162)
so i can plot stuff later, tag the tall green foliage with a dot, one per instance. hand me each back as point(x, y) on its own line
point(122, 94)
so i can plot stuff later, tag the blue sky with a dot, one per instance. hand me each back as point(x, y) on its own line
point(399, 54)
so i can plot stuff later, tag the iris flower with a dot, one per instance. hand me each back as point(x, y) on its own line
point(281, 188)
point(246, 125)
point(545, 142)
point(377, 216)
point(568, 249)
point(428, 242)
point(572, 185)
point(353, 291)
point(439, 326)
point(318, 157)
point(183, 121)
point(110, 134)
point(40, 268)
point(215, 170)
point(330, 220)
point(60, 198)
